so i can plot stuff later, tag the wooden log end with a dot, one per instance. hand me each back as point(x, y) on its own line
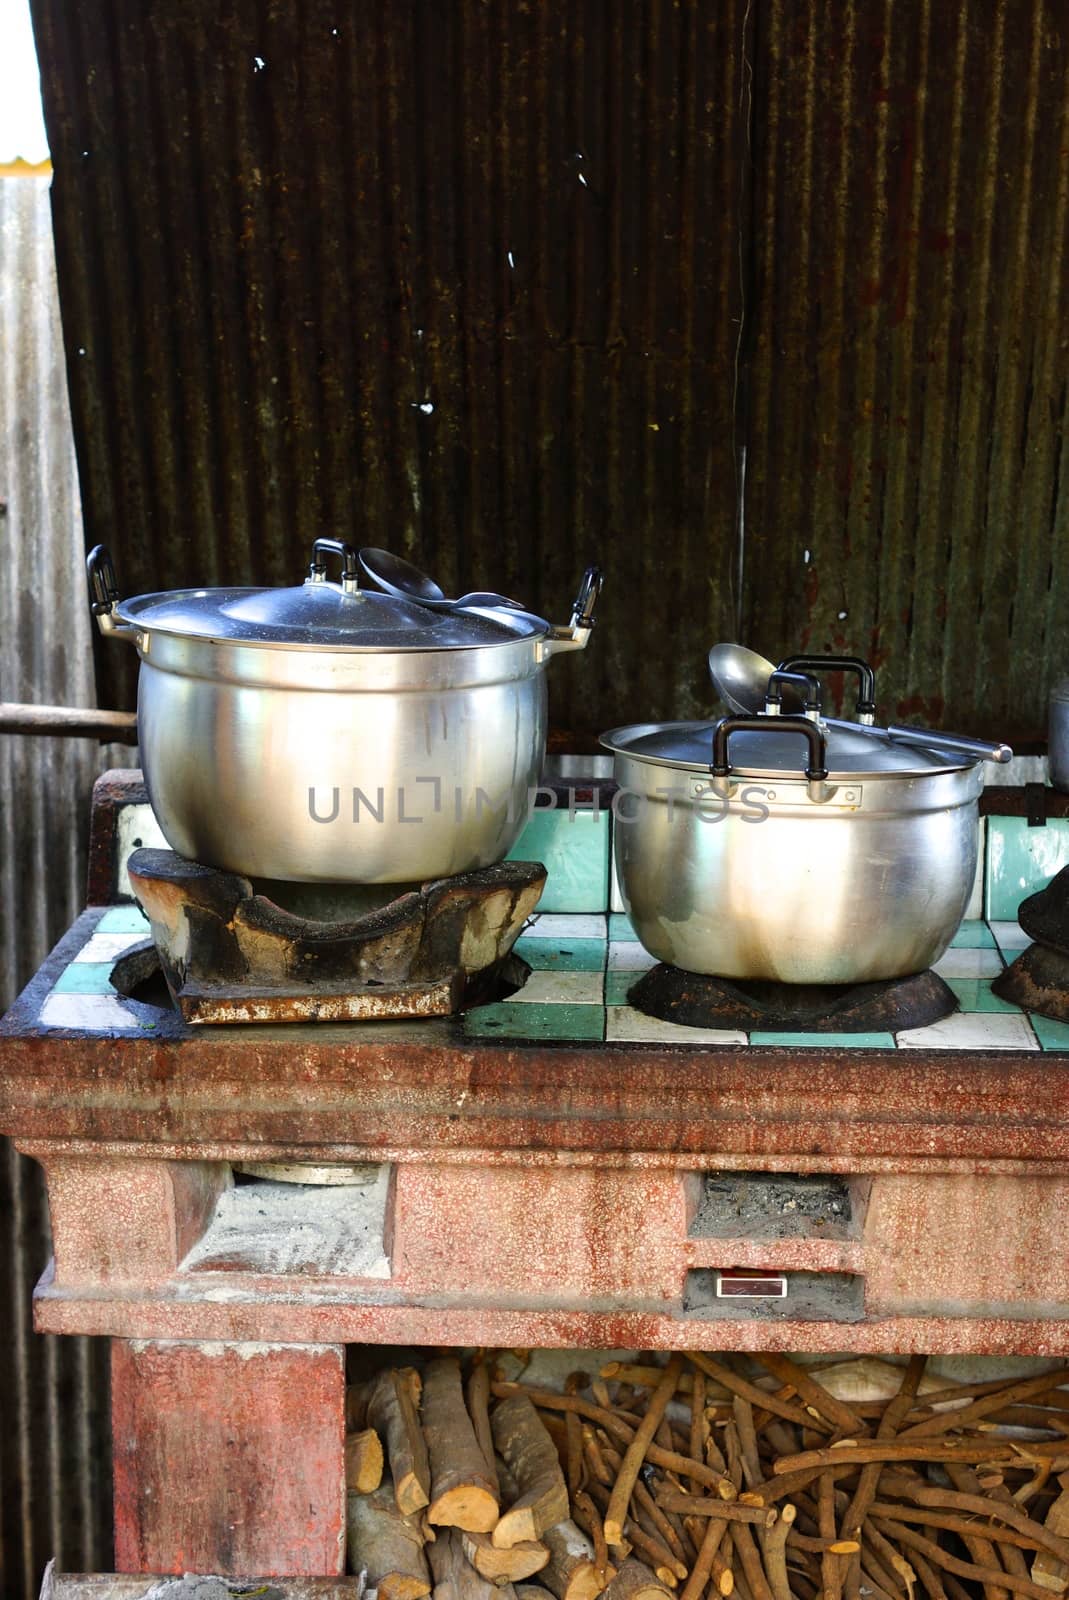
point(363, 1461)
point(725, 1583)
point(401, 1586)
point(466, 1506)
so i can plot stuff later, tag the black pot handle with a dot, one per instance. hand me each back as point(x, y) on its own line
point(797, 680)
point(815, 771)
point(103, 587)
point(866, 679)
point(317, 570)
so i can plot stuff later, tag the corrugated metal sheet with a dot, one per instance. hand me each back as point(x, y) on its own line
point(456, 279)
point(54, 1443)
point(911, 361)
point(464, 280)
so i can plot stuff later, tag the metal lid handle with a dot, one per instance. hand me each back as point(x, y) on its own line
point(865, 708)
point(816, 769)
point(317, 570)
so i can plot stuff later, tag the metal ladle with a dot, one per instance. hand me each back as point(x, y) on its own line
point(399, 577)
point(740, 677)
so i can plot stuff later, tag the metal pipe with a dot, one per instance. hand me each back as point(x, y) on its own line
point(70, 722)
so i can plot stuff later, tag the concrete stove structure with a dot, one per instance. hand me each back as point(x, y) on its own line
point(562, 1186)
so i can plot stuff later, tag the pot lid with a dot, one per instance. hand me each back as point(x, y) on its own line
point(325, 616)
point(852, 751)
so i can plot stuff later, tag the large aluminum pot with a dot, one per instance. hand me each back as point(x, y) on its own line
point(790, 849)
point(335, 734)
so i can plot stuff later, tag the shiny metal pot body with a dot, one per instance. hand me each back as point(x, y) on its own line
point(356, 767)
point(763, 881)
point(1058, 735)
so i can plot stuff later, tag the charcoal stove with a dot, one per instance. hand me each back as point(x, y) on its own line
point(554, 1168)
point(696, 1000)
point(233, 953)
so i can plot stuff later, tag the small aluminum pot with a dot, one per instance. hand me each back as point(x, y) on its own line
point(783, 848)
point(336, 734)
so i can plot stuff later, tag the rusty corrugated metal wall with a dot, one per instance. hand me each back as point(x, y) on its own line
point(54, 1443)
point(467, 280)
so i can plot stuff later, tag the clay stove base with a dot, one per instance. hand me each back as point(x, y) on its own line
point(232, 955)
point(699, 1001)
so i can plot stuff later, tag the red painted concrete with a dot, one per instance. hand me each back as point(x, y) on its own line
point(521, 1233)
point(228, 1459)
point(962, 1242)
point(127, 1221)
point(475, 1322)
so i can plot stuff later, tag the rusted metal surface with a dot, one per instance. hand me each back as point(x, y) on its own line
point(230, 955)
point(468, 281)
point(909, 380)
point(53, 1394)
point(459, 280)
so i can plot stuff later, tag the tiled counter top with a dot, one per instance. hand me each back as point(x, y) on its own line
point(582, 966)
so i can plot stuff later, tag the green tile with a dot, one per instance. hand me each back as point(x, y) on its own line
point(122, 919)
point(974, 935)
point(617, 985)
point(574, 847)
point(1019, 861)
point(85, 977)
point(1051, 1035)
point(827, 1041)
point(510, 1019)
point(620, 927)
point(573, 955)
point(974, 994)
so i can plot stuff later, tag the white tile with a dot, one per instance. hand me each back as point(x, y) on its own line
point(561, 925)
point(625, 1024)
point(1010, 935)
point(627, 955)
point(979, 963)
point(975, 908)
point(973, 1030)
point(109, 946)
point(95, 1013)
point(563, 988)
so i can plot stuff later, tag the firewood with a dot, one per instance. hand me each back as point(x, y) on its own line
point(392, 1402)
point(387, 1545)
point(749, 1391)
point(530, 1591)
point(571, 1572)
point(810, 1389)
point(635, 1453)
point(1039, 1536)
point(636, 1582)
point(963, 1569)
point(478, 1396)
point(546, 1399)
point(986, 1404)
point(1047, 1570)
point(586, 1514)
point(462, 1494)
point(520, 1560)
point(954, 1522)
point(454, 1576)
point(869, 1481)
point(775, 1553)
point(646, 1377)
point(693, 1505)
point(902, 1449)
point(532, 1459)
point(750, 1562)
point(363, 1461)
point(356, 1397)
point(710, 1565)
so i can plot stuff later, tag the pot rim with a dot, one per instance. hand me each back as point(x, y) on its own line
point(621, 742)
